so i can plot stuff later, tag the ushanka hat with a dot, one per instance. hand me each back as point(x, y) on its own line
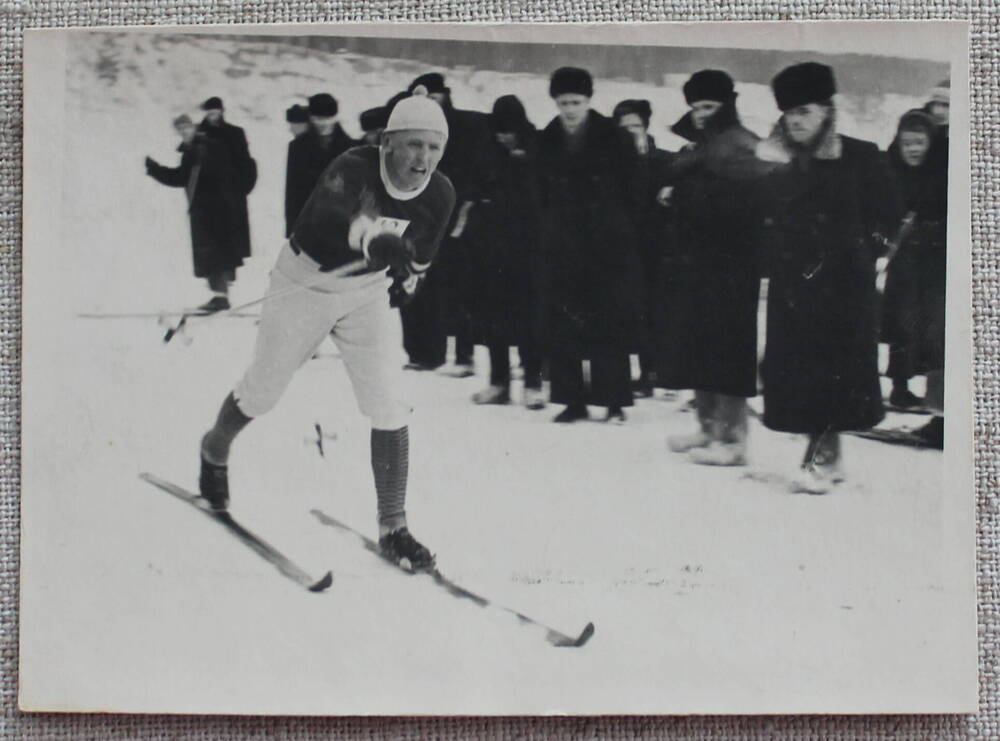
point(709, 84)
point(508, 114)
point(212, 104)
point(571, 80)
point(809, 82)
point(183, 120)
point(297, 114)
point(432, 82)
point(374, 119)
point(323, 105)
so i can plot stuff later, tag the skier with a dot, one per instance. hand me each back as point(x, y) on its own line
point(375, 209)
point(217, 172)
point(832, 206)
point(309, 154)
point(588, 201)
point(709, 338)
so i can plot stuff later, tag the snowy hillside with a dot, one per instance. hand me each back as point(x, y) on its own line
point(710, 591)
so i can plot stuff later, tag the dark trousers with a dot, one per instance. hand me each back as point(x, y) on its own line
point(610, 379)
point(219, 282)
point(531, 362)
point(464, 347)
point(424, 337)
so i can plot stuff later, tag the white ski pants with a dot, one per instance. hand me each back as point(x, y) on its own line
point(304, 306)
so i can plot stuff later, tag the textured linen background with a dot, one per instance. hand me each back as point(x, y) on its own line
point(985, 100)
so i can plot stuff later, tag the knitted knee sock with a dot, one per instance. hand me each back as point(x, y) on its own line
point(390, 465)
point(215, 444)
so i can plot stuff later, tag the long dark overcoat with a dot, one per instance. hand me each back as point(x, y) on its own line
point(829, 220)
point(217, 171)
point(914, 300)
point(708, 329)
point(308, 156)
point(505, 239)
point(589, 203)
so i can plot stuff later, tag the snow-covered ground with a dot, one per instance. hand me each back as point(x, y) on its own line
point(710, 591)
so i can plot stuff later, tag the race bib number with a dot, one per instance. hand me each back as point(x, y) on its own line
point(389, 224)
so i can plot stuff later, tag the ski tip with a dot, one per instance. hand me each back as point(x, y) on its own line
point(588, 631)
point(323, 584)
point(561, 640)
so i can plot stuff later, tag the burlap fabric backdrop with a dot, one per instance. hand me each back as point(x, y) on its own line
point(985, 96)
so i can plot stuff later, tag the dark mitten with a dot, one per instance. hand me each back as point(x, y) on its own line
point(389, 250)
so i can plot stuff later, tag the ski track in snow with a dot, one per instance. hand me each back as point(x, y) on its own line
point(704, 585)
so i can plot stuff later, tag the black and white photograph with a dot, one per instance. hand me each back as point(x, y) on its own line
point(471, 369)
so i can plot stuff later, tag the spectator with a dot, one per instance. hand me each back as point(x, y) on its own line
point(505, 231)
point(588, 195)
point(828, 196)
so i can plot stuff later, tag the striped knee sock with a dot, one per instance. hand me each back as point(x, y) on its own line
point(215, 445)
point(390, 465)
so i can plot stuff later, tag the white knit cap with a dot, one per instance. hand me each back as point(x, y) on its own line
point(418, 112)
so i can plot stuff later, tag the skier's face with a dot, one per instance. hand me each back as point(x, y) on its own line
point(702, 110)
point(805, 122)
point(214, 116)
point(297, 128)
point(913, 146)
point(323, 124)
point(411, 156)
point(573, 109)
point(940, 111)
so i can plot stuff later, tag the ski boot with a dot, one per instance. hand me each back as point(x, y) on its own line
point(405, 551)
point(213, 483)
point(216, 303)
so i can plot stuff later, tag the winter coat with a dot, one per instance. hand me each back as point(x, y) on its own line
point(829, 216)
point(589, 199)
point(914, 301)
point(217, 172)
point(707, 335)
point(308, 156)
point(465, 163)
point(503, 234)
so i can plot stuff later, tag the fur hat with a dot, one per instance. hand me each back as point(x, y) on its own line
point(297, 114)
point(709, 84)
point(508, 114)
point(373, 119)
point(212, 104)
point(941, 93)
point(809, 82)
point(417, 113)
point(183, 120)
point(571, 80)
point(641, 108)
point(433, 82)
point(323, 105)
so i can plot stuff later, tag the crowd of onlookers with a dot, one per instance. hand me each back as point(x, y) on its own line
point(583, 244)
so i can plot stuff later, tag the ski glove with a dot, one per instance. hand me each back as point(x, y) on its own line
point(388, 250)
